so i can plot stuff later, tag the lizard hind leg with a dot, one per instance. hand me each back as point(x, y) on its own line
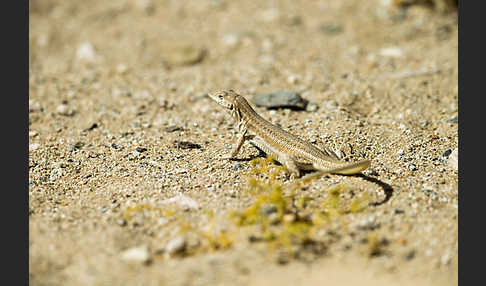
point(291, 166)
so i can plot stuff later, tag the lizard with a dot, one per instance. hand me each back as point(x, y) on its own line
point(288, 149)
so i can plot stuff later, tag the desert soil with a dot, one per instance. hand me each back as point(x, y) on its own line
point(115, 198)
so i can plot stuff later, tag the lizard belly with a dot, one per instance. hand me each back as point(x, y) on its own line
point(269, 150)
point(282, 158)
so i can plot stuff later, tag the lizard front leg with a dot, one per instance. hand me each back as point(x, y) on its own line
point(236, 148)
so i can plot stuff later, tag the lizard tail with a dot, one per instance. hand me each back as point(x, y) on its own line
point(349, 169)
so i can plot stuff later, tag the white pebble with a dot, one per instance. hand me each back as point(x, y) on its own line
point(63, 109)
point(454, 160)
point(121, 68)
point(86, 52)
point(137, 254)
point(33, 146)
point(143, 94)
point(231, 40)
point(182, 200)
point(270, 15)
point(445, 259)
point(176, 245)
point(292, 79)
point(391, 52)
point(145, 4)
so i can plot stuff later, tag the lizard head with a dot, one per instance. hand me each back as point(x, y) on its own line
point(225, 98)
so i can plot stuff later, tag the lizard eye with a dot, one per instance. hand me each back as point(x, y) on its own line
point(231, 107)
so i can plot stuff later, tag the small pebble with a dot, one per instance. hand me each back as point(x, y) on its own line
point(137, 255)
point(182, 54)
point(398, 211)
point(34, 105)
point(293, 79)
point(186, 145)
point(172, 128)
point(93, 126)
point(454, 119)
point(142, 94)
point(454, 160)
point(274, 218)
point(54, 175)
point(311, 107)
point(147, 5)
point(63, 109)
point(162, 221)
point(176, 245)
point(231, 39)
point(33, 146)
point(183, 201)
point(370, 172)
point(289, 218)
point(141, 149)
point(86, 52)
point(268, 210)
point(411, 167)
point(121, 68)
point(445, 259)
point(78, 145)
point(410, 255)
point(392, 52)
point(270, 15)
point(331, 28)
point(446, 154)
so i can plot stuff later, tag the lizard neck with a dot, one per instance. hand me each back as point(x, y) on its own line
point(245, 116)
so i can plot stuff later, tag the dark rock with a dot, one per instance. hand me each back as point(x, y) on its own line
point(93, 126)
point(78, 145)
point(410, 255)
point(454, 119)
point(141, 149)
point(331, 29)
point(172, 128)
point(186, 145)
point(446, 154)
point(398, 211)
point(280, 99)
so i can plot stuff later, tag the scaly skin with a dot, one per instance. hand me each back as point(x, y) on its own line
point(293, 152)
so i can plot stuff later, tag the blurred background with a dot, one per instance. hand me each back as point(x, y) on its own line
point(254, 41)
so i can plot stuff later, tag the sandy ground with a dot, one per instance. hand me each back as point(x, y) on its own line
point(114, 199)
